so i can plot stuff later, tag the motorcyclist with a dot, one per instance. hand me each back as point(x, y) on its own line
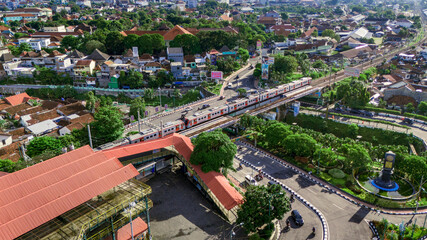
point(314, 230)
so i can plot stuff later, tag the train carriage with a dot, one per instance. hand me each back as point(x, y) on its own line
point(218, 111)
point(171, 127)
point(197, 118)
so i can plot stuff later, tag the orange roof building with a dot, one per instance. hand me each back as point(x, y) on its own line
point(18, 99)
point(175, 31)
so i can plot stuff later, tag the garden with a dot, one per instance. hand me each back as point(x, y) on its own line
point(344, 155)
point(387, 230)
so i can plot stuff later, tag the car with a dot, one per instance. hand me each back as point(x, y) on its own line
point(250, 180)
point(188, 109)
point(222, 97)
point(408, 121)
point(205, 106)
point(230, 85)
point(297, 218)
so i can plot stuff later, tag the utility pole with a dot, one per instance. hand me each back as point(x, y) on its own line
point(139, 122)
point(160, 97)
point(90, 136)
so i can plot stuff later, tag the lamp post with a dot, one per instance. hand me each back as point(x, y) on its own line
point(129, 210)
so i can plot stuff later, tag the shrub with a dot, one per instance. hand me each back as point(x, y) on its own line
point(336, 173)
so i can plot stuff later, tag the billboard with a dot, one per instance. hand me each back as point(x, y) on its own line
point(216, 75)
point(354, 72)
point(270, 60)
point(264, 71)
point(259, 45)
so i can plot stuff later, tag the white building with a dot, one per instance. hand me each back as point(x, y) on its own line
point(36, 43)
point(5, 139)
point(404, 23)
point(55, 29)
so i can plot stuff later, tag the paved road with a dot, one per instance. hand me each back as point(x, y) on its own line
point(295, 233)
point(345, 220)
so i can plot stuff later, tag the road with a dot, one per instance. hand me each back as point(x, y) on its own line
point(295, 233)
point(345, 220)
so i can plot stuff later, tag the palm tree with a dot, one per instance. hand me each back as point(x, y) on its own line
point(149, 93)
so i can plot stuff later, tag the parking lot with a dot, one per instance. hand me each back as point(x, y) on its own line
point(181, 212)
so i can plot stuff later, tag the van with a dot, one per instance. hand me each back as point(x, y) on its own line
point(250, 180)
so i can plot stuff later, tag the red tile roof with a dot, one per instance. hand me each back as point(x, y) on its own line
point(18, 99)
point(217, 183)
point(138, 227)
point(37, 194)
point(175, 31)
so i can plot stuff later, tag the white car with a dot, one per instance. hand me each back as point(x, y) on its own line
point(188, 109)
point(250, 180)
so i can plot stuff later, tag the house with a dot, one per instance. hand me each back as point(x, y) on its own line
point(360, 52)
point(268, 21)
point(273, 14)
point(361, 33)
point(175, 54)
point(153, 66)
point(404, 23)
point(19, 17)
point(403, 88)
point(53, 59)
point(60, 28)
point(284, 27)
point(36, 43)
point(75, 56)
point(5, 139)
point(84, 67)
point(176, 69)
point(98, 56)
point(69, 128)
point(18, 99)
point(175, 31)
point(42, 128)
point(308, 33)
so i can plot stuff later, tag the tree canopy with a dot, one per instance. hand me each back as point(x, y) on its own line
point(353, 94)
point(40, 144)
point(301, 145)
point(276, 133)
point(213, 150)
point(137, 104)
point(108, 125)
point(261, 206)
point(285, 64)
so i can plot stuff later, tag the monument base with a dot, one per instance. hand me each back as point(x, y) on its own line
point(389, 186)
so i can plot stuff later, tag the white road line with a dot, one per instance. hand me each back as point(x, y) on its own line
point(337, 206)
point(311, 191)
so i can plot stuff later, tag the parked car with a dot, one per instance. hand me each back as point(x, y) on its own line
point(272, 183)
point(408, 121)
point(297, 218)
point(188, 109)
point(205, 106)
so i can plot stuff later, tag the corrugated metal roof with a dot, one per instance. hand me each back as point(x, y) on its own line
point(138, 227)
point(217, 183)
point(39, 193)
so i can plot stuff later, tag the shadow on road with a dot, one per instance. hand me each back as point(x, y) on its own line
point(304, 182)
point(311, 236)
point(326, 191)
point(284, 174)
point(359, 215)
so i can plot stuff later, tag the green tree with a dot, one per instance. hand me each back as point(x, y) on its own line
point(301, 145)
point(114, 43)
point(135, 105)
point(276, 133)
point(70, 42)
point(244, 54)
point(353, 94)
point(189, 43)
point(149, 93)
point(326, 156)
point(261, 206)
point(108, 125)
point(284, 16)
point(330, 33)
point(133, 79)
point(157, 42)
point(422, 108)
point(213, 150)
point(356, 156)
point(94, 44)
point(242, 92)
point(285, 64)
point(7, 165)
point(353, 130)
point(40, 144)
point(414, 166)
point(130, 41)
point(91, 100)
point(410, 107)
point(145, 44)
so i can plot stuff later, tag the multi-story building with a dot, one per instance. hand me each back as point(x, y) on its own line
point(175, 54)
point(84, 67)
point(36, 43)
point(18, 17)
point(55, 29)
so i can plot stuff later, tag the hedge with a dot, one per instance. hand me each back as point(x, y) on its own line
point(373, 109)
point(417, 116)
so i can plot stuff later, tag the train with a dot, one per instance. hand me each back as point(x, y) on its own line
point(205, 115)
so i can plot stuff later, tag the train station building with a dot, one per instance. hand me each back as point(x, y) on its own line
point(85, 194)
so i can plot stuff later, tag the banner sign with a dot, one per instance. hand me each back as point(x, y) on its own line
point(270, 60)
point(216, 75)
point(264, 70)
point(354, 72)
point(296, 106)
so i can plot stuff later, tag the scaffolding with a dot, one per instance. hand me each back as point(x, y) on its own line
point(98, 217)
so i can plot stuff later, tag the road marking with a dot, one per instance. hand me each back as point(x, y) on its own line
point(337, 206)
point(311, 191)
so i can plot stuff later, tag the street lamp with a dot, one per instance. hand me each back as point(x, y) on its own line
point(232, 233)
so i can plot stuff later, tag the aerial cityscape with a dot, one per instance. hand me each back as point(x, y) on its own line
point(213, 119)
